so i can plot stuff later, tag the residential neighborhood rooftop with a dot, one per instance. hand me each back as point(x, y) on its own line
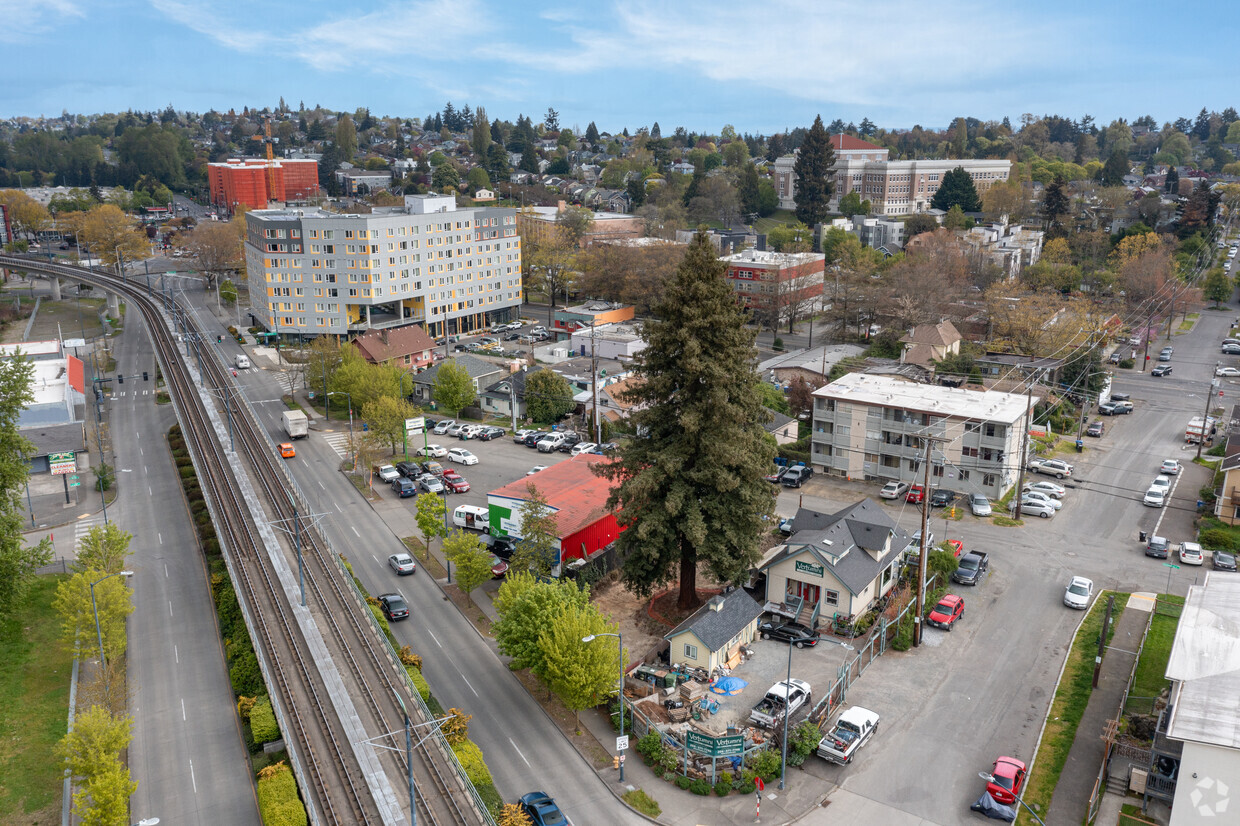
point(1205, 659)
point(945, 401)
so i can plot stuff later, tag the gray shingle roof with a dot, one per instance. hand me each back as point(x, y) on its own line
point(849, 543)
point(476, 367)
point(716, 628)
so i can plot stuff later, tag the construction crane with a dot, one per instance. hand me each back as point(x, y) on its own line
point(268, 140)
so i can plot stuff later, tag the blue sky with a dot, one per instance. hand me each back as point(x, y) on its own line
point(761, 66)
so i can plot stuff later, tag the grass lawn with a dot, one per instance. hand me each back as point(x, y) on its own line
point(34, 709)
point(1067, 708)
point(1152, 664)
point(776, 219)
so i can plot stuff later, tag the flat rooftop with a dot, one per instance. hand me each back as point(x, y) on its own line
point(1205, 659)
point(957, 402)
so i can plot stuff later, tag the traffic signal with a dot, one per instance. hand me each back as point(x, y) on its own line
point(120, 379)
point(144, 378)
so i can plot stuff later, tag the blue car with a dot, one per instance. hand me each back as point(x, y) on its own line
point(404, 487)
point(542, 810)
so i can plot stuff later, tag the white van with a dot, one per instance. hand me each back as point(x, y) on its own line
point(243, 362)
point(472, 517)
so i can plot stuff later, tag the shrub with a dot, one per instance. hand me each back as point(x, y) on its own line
point(643, 803)
point(244, 706)
point(1219, 539)
point(187, 472)
point(668, 760)
point(747, 787)
point(491, 797)
point(726, 777)
point(407, 657)
point(243, 672)
point(765, 763)
point(278, 803)
point(683, 781)
point(1127, 364)
point(263, 721)
point(700, 786)
point(475, 767)
point(650, 746)
point(723, 789)
point(1219, 449)
point(456, 729)
point(511, 814)
point(415, 674)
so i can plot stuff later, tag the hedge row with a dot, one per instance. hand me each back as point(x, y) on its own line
point(278, 803)
point(263, 721)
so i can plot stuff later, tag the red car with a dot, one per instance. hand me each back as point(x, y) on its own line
point(498, 567)
point(1008, 779)
point(945, 614)
point(454, 482)
point(915, 494)
point(957, 547)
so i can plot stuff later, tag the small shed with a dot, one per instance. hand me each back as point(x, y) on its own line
point(713, 635)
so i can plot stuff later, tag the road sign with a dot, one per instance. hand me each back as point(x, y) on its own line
point(622, 743)
point(75, 484)
point(62, 463)
point(74, 343)
point(1172, 567)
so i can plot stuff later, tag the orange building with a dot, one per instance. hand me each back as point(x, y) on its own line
point(244, 181)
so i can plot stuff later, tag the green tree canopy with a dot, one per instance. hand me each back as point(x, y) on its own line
point(851, 204)
point(18, 560)
point(539, 535)
point(1116, 168)
point(346, 137)
point(430, 510)
point(691, 492)
point(113, 603)
point(548, 396)
point(386, 416)
point(526, 606)
point(812, 174)
point(1218, 287)
point(471, 560)
point(453, 388)
point(580, 673)
point(957, 189)
point(104, 548)
point(917, 224)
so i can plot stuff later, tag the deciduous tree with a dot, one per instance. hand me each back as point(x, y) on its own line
point(103, 548)
point(525, 607)
point(112, 235)
point(1218, 287)
point(471, 560)
point(430, 509)
point(691, 491)
point(104, 801)
point(386, 416)
point(812, 175)
point(97, 739)
point(453, 388)
point(18, 560)
point(539, 534)
point(548, 396)
point(27, 215)
point(580, 673)
point(216, 248)
point(346, 138)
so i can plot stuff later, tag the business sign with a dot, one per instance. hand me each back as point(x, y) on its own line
point(62, 464)
point(416, 425)
point(729, 746)
point(809, 568)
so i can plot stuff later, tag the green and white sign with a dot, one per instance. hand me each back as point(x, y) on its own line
point(809, 568)
point(729, 746)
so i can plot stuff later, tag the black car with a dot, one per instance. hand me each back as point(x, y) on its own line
point(605, 448)
point(571, 440)
point(1094, 429)
point(501, 546)
point(942, 498)
point(393, 606)
point(491, 432)
point(532, 439)
point(972, 567)
point(410, 470)
point(512, 337)
point(1223, 561)
point(796, 476)
point(1231, 349)
point(1161, 370)
point(404, 487)
point(793, 633)
point(1121, 397)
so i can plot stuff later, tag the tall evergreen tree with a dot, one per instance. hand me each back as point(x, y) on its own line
point(1112, 174)
point(691, 491)
point(655, 131)
point(1201, 127)
point(1172, 183)
point(1055, 203)
point(957, 189)
point(482, 134)
point(592, 134)
point(747, 190)
point(812, 175)
point(551, 120)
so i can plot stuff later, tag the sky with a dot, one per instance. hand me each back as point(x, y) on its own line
point(763, 67)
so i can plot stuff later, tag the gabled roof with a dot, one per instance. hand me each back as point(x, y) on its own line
point(850, 543)
point(499, 388)
point(942, 334)
point(379, 346)
point(720, 619)
point(843, 141)
point(777, 421)
point(476, 367)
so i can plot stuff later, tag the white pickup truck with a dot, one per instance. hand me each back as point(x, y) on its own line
point(852, 729)
point(789, 694)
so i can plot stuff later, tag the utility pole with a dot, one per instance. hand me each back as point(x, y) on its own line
point(1205, 416)
point(1102, 640)
point(598, 425)
point(1145, 337)
point(1024, 447)
point(923, 551)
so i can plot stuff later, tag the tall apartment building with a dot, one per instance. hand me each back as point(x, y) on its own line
point(244, 181)
point(891, 187)
point(449, 270)
point(875, 427)
point(773, 284)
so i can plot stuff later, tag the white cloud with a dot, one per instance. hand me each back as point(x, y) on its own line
point(25, 18)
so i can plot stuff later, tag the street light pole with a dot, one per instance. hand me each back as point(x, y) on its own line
point(620, 645)
point(99, 631)
point(783, 766)
point(352, 446)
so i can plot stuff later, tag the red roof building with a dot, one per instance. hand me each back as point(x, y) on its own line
point(409, 346)
point(244, 181)
point(578, 497)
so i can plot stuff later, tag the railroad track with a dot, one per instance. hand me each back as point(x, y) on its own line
point(332, 778)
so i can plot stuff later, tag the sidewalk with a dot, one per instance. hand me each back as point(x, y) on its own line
point(1071, 798)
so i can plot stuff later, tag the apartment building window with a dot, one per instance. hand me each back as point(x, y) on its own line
point(964, 476)
point(990, 429)
point(937, 471)
point(914, 465)
point(989, 480)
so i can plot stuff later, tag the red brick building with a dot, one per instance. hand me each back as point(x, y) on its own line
point(244, 181)
point(774, 285)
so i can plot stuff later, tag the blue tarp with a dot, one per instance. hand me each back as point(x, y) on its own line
point(729, 685)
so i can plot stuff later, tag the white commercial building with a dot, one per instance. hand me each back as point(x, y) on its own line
point(450, 270)
point(876, 427)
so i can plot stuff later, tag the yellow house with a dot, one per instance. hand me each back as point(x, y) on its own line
point(713, 635)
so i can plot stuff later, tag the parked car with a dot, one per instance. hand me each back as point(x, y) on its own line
point(1164, 356)
point(387, 473)
point(1227, 372)
point(535, 469)
point(944, 615)
point(1231, 349)
point(534, 438)
point(455, 430)
point(1047, 487)
point(491, 432)
point(410, 470)
point(582, 447)
point(1157, 547)
point(941, 498)
point(518, 436)
point(1190, 554)
point(955, 546)
point(1036, 507)
point(501, 546)
point(498, 567)
point(915, 495)
point(462, 456)
point(1122, 406)
point(433, 451)
point(1223, 560)
point(1169, 467)
point(1039, 496)
point(973, 566)
point(455, 484)
point(571, 440)
point(1163, 370)
point(1108, 409)
point(894, 490)
point(470, 431)
point(404, 487)
point(442, 427)
point(796, 476)
point(606, 448)
point(542, 810)
point(1116, 358)
point(792, 633)
point(403, 564)
point(1095, 429)
point(1008, 779)
point(1155, 497)
point(979, 505)
point(394, 607)
point(1166, 351)
point(1079, 592)
point(550, 442)
point(430, 483)
point(1052, 467)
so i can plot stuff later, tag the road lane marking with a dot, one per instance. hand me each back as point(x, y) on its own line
point(161, 540)
point(150, 492)
point(176, 654)
point(471, 688)
point(433, 637)
point(144, 469)
point(169, 607)
point(191, 776)
point(375, 558)
point(182, 709)
point(165, 570)
point(337, 504)
point(320, 484)
point(519, 754)
point(355, 533)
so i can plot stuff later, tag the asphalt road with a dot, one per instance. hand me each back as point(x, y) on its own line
point(187, 754)
point(966, 697)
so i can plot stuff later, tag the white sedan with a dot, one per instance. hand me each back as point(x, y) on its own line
point(1229, 372)
point(433, 451)
point(1080, 591)
point(1170, 467)
point(1036, 507)
point(583, 447)
point(462, 456)
point(1190, 554)
point(1155, 497)
point(1049, 488)
point(1163, 482)
point(535, 469)
point(1040, 496)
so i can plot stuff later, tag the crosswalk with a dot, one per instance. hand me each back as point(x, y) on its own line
point(338, 442)
point(83, 527)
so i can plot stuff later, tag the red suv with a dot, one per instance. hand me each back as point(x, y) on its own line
point(915, 494)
